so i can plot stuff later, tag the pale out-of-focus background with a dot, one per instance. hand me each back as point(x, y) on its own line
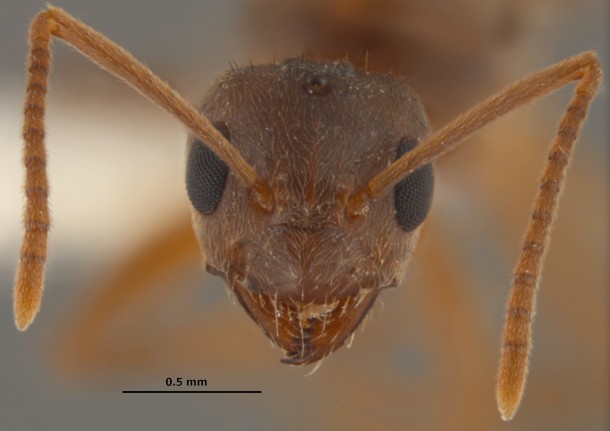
point(427, 358)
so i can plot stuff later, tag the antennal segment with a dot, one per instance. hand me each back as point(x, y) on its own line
point(54, 22)
point(516, 340)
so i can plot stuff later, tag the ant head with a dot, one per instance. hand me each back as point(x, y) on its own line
point(315, 134)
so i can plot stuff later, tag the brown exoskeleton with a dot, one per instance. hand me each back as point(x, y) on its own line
point(308, 183)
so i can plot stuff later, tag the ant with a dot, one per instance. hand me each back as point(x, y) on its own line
point(309, 183)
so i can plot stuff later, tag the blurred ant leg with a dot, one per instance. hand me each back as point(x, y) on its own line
point(111, 333)
point(54, 22)
point(457, 331)
point(140, 276)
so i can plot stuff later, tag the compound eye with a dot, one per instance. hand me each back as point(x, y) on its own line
point(413, 195)
point(206, 174)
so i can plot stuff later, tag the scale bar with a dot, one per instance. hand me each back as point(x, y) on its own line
point(192, 392)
